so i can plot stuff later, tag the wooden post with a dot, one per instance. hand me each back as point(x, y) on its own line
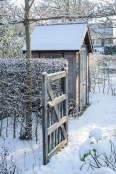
point(52, 122)
point(66, 102)
point(44, 118)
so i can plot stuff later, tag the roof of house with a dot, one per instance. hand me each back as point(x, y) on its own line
point(101, 28)
point(62, 36)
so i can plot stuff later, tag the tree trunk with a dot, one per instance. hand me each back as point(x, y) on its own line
point(28, 101)
point(28, 133)
point(27, 30)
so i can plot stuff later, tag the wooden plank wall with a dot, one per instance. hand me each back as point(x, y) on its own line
point(71, 57)
point(35, 54)
point(77, 80)
point(87, 78)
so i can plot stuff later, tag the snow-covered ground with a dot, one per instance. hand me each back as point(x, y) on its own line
point(100, 114)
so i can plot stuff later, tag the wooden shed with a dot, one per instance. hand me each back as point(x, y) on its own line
point(71, 41)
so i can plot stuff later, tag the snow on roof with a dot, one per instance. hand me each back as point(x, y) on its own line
point(65, 36)
point(104, 30)
point(101, 29)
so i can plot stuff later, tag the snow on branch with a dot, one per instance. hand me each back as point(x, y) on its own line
point(55, 11)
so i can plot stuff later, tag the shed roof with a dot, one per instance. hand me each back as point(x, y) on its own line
point(63, 36)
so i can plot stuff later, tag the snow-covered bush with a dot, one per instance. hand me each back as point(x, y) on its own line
point(10, 42)
point(97, 156)
point(13, 76)
point(8, 164)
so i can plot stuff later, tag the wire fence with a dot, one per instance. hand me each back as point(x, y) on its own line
point(102, 70)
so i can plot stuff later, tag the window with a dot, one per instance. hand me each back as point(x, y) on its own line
point(93, 41)
point(99, 41)
point(108, 41)
point(51, 55)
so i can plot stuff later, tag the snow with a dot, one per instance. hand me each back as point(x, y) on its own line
point(96, 133)
point(101, 114)
point(44, 73)
point(85, 148)
point(68, 36)
point(97, 122)
point(56, 73)
point(103, 29)
point(100, 49)
point(101, 149)
point(104, 170)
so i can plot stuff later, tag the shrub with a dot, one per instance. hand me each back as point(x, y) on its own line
point(110, 50)
point(13, 91)
point(96, 155)
point(8, 164)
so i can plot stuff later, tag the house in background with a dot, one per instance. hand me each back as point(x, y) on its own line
point(101, 36)
point(71, 41)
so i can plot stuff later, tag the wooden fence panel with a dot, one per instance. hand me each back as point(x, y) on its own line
point(54, 115)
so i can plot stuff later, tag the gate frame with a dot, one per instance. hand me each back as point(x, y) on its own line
point(46, 87)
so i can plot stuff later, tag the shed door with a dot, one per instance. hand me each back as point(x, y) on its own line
point(82, 78)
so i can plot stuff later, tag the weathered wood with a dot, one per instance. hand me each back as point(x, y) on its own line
point(44, 118)
point(52, 134)
point(48, 124)
point(56, 76)
point(88, 78)
point(56, 125)
point(70, 57)
point(59, 129)
point(77, 81)
point(56, 111)
point(57, 148)
point(57, 100)
point(74, 76)
point(49, 144)
point(83, 77)
point(66, 101)
point(56, 140)
point(62, 109)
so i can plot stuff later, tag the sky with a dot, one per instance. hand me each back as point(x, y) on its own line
point(19, 2)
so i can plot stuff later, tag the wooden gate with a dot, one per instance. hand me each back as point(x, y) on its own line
point(54, 115)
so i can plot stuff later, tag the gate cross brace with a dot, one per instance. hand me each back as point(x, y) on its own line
point(56, 110)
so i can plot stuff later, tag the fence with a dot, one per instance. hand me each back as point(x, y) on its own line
point(54, 115)
point(102, 70)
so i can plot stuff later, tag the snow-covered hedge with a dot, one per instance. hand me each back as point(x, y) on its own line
point(13, 76)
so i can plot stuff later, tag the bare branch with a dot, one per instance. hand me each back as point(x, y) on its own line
point(12, 22)
point(31, 4)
